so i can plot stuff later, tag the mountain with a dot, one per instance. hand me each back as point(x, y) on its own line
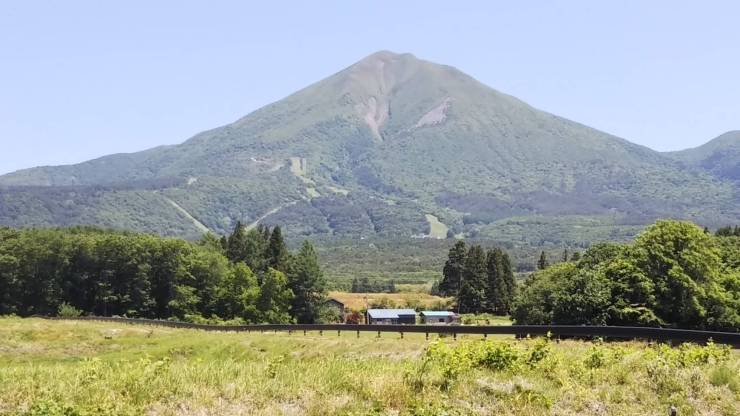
point(392, 145)
point(100, 170)
point(720, 156)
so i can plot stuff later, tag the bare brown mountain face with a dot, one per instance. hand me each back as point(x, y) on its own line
point(369, 151)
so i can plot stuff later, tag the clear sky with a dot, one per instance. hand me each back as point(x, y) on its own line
point(82, 79)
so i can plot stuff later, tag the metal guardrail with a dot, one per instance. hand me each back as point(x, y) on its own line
point(619, 332)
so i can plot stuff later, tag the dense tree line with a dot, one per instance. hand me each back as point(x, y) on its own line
point(673, 275)
point(728, 232)
point(248, 276)
point(479, 280)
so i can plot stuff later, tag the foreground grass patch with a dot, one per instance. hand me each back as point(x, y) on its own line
point(70, 368)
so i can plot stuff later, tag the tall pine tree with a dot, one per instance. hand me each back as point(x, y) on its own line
point(265, 232)
point(472, 293)
point(235, 244)
point(255, 250)
point(497, 294)
point(452, 272)
point(307, 282)
point(510, 280)
point(277, 251)
point(542, 264)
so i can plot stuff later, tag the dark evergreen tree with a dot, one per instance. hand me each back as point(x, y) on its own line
point(450, 234)
point(472, 293)
point(727, 231)
point(265, 232)
point(497, 294)
point(452, 272)
point(565, 255)
point(509, 280)
point(236, 242)
point(542, 264)
point(255, 251)
point(576, 256)
point(307, 282)
point(434, 291)
point(277, 251)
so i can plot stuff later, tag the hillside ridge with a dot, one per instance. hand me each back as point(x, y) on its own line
point(402, 138)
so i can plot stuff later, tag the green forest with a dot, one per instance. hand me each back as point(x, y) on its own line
point(673, 275)
point(480, 281)
point(247, 277)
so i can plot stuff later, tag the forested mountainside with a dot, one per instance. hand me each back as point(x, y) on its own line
point(390, 146)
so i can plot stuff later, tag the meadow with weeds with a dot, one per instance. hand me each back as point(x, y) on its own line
point(56, 368)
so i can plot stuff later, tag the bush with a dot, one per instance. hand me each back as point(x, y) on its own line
point(725, 376)
point(354, 317)
point(198, 319)
point(68, 311)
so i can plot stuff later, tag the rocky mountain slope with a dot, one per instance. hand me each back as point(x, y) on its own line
point(392, 145)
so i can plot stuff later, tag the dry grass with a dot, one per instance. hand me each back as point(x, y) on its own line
point(49, 366)
point(357, 300)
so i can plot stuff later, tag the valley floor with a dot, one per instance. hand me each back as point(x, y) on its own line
point(69, 368)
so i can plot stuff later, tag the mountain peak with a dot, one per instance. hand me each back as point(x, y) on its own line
point(381, 63)
point(385, 55)
point(378, 148)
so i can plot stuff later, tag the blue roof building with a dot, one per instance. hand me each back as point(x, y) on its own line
point(390, 317)
point(437, 317)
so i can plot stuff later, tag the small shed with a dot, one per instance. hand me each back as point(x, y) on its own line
point(437, 317)
point(390, 317)
point(337, 304)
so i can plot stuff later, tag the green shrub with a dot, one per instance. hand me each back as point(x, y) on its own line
point(725, 376)
point(68, 311)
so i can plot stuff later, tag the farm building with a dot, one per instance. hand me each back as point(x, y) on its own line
point(390, 317)
point(337, 304)
point(437, 317)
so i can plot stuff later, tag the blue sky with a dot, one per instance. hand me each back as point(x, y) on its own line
point(82, 79)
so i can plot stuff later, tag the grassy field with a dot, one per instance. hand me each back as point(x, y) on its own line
point(356, 301)
point(298, 170)
point(436, 228)
point(70, 368)
point(313, 193)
